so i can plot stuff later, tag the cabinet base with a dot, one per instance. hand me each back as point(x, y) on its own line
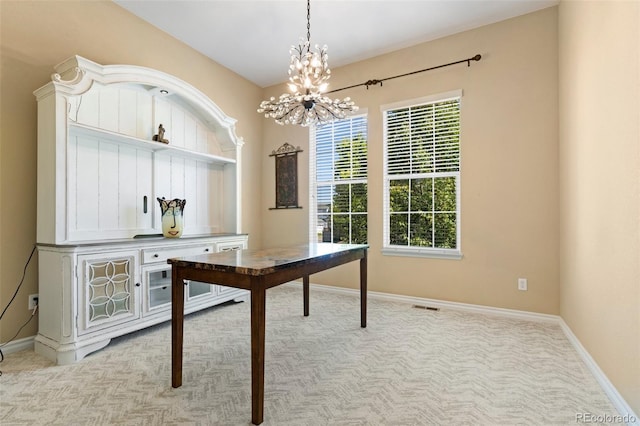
point(63, 354)
point(68, 353)
point(243, 298)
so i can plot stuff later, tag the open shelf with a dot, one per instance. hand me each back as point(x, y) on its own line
point(76, 129)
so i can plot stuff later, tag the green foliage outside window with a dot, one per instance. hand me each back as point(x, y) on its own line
point(423, 212)
point(344, 217)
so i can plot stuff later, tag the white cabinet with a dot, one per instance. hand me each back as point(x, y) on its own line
point(94, 292)
point(103, 266)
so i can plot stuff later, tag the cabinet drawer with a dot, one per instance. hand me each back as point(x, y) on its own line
point(231, 245)
point(161, 254)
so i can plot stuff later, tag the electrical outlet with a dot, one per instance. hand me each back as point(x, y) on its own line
point(522, 284)
point(33, 301)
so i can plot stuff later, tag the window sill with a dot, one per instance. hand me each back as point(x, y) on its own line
point(419, 252)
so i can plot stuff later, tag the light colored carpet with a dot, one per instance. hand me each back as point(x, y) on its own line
point(408, 367)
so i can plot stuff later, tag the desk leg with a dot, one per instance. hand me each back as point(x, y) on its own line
point(177, 323)
point(363, 291)
point(258, 295)
point(305, 294)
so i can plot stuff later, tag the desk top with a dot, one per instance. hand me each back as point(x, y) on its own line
point(266, 261)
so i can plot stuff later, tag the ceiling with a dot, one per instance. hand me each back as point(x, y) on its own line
point(253, 37)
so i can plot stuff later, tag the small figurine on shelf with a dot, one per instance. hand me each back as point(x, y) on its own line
point(160, 136)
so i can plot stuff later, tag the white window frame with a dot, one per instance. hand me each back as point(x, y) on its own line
point(313, 184)
point(431, 252)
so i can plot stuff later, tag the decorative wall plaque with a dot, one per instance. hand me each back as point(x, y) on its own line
point(286, 177)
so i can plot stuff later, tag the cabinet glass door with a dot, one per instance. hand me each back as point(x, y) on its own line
point(157, 284)
point(107, 290)
point(159, 288)
point(198, 289)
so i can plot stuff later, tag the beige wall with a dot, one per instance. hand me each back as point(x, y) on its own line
point(509, 179)
point(599, 44)
point(34, 37)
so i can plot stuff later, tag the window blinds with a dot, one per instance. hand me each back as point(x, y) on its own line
point(339, 156)
point(424, 138)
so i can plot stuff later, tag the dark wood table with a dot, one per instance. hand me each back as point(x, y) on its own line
point(257, 271)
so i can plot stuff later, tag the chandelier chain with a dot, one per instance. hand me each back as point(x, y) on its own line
point(309, 21)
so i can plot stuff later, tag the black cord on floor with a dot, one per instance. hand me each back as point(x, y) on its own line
point(24, 273)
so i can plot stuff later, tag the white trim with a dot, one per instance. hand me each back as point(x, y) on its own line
point(619, 403)
point(442, 304)
point(617, 400)
point(18, 345)
point(422, 252)
point(313, 205)
point(313, 186)
point(438, 97)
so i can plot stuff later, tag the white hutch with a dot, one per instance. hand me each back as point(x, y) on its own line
point(103, 268)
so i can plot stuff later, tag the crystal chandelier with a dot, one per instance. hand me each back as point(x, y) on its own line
point(308, 75)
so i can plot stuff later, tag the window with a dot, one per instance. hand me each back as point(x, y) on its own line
point(422, 177)
point(338, 181)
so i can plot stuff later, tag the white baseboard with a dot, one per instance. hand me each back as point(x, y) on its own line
point(487, 310)
point(626, 413)
point(18, 345)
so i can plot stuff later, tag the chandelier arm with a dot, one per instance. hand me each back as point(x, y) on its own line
point(374, 82)
point(291, 111)
point(324, 108)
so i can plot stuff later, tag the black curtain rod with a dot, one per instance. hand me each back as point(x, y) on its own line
point(373, 82)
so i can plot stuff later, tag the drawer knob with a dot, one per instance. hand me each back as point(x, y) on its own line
point(206, 249)
point(137, 284)
point(156, 255)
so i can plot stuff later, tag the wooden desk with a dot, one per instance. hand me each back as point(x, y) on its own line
point(256, 271)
